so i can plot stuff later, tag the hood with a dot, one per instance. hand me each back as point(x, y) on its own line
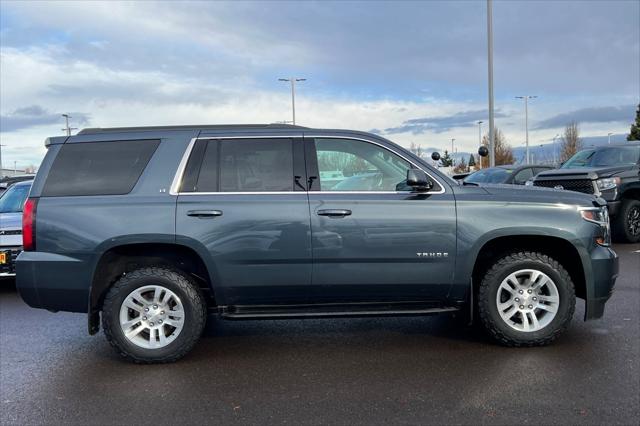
point(10, 221)
point(10, 229)
point(583, 172)
point(534, 194)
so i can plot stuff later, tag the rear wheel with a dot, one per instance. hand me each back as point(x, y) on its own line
point(526, 299)
point(627, 222)
point(153, 315)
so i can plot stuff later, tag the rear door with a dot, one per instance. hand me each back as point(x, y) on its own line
point(374, 239)
point(244, 200)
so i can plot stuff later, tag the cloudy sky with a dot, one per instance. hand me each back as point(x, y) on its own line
point(414, 71)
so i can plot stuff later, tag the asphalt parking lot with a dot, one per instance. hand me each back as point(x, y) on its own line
point(362, 371)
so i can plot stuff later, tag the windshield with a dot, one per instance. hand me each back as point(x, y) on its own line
point(13, 199)
point(614, 156)
point(493, 175)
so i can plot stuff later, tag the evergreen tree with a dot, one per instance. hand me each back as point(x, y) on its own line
point(634, 133)
point(472, 161)
point(446, 160)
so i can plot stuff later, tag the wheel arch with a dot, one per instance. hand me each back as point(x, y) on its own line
point(117, 260)
point(560, 249)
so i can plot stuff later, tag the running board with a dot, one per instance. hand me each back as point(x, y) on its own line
point(240, 312)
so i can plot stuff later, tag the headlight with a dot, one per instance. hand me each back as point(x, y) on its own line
point(599, 216)
point(607, 183)
point(528, 183)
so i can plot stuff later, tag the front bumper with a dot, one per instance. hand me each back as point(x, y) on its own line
point(614, 207)
point(600, 281)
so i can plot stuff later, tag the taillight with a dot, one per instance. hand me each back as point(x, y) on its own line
point(29, 224)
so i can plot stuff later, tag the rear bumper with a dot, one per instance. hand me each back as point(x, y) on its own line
point(601, 281)
point(52, 281)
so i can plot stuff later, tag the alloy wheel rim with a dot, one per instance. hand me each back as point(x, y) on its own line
point(527, 300)
point(151, 317)
point(633, 220)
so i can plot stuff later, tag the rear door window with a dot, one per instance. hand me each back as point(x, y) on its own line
point(255, 165)
point(98, 168)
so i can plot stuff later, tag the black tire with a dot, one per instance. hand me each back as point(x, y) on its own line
point(490, 318)
point(195, 314)
point(626, 225)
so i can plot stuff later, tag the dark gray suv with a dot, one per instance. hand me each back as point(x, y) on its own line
point(154, 229)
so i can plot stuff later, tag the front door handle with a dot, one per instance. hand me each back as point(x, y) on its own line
point(204, 213)
point(334, 212)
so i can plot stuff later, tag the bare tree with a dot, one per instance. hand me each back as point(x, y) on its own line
point(504, 154)
point(416, 149)
point(571, 142)
point(461, 167)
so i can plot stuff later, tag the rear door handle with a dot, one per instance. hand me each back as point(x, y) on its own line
point(204, 213)
point(334, 212)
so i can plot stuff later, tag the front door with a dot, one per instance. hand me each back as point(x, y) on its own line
point(373, 238)
point(244, 201)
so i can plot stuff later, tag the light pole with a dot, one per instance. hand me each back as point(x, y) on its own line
point(480, 138)
point(492, 152)
point(66, 127)
point(452, 161)
point(609, 138)
point(526, 120)
point(293, 81)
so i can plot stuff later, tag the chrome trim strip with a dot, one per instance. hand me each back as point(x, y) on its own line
point(177, 179)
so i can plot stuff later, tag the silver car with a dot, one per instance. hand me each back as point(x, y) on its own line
point(11, 203)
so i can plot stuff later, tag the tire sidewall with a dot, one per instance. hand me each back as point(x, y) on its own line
point(185, 336)
point(565, 308)
point(627, 205)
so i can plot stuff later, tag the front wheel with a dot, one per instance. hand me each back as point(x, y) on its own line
point(153, 315)
point(526, 299)
point(627, 223)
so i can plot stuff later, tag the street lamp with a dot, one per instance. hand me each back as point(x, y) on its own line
point(66, 127)
point(480, 138)
point(609, 138)
point(293, 81)
point(492, 151)
point(526, 120)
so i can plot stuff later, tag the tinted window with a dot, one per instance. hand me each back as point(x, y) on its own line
point(350, 165)
point(614, 156)
point(254, 165)
point(523, 176)
point(208, 177)
point(492, 175)
point(13, 199)
point(98, 168)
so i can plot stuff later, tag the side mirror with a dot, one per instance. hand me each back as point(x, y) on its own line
point(418, 180)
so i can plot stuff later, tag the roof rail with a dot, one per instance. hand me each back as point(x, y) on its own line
point(190, 127)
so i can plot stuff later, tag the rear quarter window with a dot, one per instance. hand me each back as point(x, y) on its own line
point(98, 168)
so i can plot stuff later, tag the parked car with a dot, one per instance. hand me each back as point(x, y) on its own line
point(507, 174)
point(11, 203)
point(152, 229)
point(611, 172)
point(7, 181)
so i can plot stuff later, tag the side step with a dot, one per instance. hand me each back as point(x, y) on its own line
point(331, 310)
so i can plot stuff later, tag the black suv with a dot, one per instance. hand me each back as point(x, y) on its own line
point(152, 229)
point(611, 172)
